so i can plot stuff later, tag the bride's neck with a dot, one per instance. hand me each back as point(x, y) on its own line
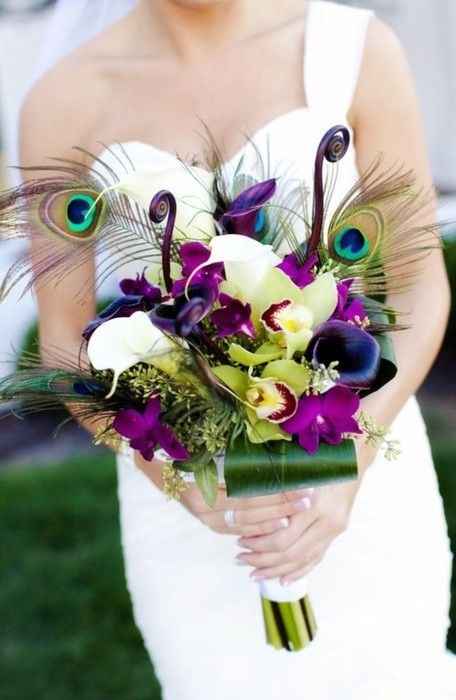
point(193, 29)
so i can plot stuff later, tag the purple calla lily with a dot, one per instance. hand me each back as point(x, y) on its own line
point(324, 418)
point(245, 214)
point(146, 432)
point(356, 351)
point(348, 309)
point(300, 274)
point(233, 317)
point(182, 316)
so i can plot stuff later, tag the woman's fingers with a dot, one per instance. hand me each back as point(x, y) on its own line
point(240, 504)
point(290, 558)
point(280, 541)
point(216, 522)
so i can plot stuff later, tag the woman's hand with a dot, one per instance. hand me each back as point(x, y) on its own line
point(292, 553)
point(249, 517)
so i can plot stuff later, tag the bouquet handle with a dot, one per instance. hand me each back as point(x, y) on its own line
point(288, 615)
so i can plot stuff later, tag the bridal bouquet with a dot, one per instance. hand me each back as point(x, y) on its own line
point(243, 344)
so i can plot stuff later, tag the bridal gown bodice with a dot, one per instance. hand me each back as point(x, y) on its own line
point(381, 594)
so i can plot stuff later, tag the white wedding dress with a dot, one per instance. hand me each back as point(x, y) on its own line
point(381, 594)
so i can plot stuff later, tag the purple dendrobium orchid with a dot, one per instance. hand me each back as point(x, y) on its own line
point(194, 254)
point(146, 432)
point(348, 309)
point(141, 287)
point(326, 417)
point(356, 351)
point(245, 214)
point(233, 317)
point(183, 315)
point(300, 274)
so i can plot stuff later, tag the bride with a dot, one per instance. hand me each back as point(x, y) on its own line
point(146, 74)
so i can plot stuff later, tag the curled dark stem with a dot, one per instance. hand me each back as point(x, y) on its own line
point(333, 147)
point(163, 206)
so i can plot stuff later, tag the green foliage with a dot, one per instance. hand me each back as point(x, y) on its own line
point(207, 480)
point(67, 630)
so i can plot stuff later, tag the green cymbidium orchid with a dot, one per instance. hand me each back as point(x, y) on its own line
point(267, 399)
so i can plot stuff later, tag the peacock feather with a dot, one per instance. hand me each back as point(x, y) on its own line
point(69, 209)
point(372, 236)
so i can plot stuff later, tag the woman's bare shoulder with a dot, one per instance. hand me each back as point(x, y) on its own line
point(68, 103)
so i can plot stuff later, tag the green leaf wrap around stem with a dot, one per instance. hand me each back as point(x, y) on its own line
point(258, 470)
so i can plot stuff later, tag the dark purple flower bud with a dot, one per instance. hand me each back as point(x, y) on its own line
point(182, 316)
point(233, 317)
point(245, 215)
point(146, 432)
point(324, 418)
point(299, 273)
point(356, 351)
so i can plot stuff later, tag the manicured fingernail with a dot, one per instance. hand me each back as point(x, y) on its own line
point(304, 504)
point(284, 522)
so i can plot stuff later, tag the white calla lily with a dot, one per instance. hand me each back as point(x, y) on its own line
point(192, 188)
point(246, 261)
point(120, 343)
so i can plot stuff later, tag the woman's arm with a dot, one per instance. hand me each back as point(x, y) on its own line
point(53, 119)
point(386, 119)
point(56, 116)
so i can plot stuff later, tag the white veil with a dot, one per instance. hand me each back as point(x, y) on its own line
point(71, 24)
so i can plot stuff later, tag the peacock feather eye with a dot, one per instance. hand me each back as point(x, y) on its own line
point(73, 214)
point(260, 221)
point(351, 244)
point(80, 212)
point(356, 237)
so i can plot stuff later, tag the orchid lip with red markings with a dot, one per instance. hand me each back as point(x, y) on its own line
point(272, 400)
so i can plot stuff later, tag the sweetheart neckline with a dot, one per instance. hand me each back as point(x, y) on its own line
point(251, 139)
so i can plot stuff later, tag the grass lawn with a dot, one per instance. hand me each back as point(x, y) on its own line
point(66, 625)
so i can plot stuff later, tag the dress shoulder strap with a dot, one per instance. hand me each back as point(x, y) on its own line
point(335, 39)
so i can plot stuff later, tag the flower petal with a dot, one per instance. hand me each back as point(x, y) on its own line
point(272, 400)
point(192, 187)
point(169, 442)
point(356, 351)
point(129, 423)
point(307, 411)
point(265, 353)
point(292, 373)
point(339, 401)
point(300, 274)
point(246, 261)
